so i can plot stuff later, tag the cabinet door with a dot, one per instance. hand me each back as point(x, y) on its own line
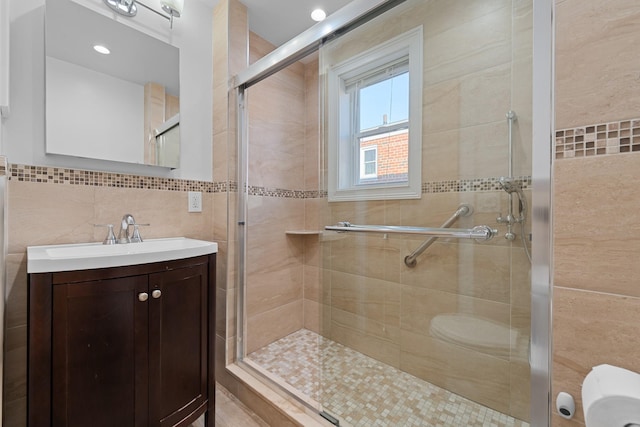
point(177, 344)
point(100, 353)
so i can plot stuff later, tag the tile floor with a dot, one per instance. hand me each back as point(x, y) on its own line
point(363, 392)
point(230, 412)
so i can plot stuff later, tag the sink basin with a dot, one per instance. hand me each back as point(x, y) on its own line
point(83, 256)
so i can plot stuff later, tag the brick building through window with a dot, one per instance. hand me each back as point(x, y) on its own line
point(392, 157)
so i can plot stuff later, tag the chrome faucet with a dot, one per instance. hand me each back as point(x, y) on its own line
point(123, 234)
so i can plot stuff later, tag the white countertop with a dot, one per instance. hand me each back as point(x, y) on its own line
point(84, 256)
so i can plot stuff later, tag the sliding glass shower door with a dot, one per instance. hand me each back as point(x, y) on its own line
point(386, 217)
point(417, 328)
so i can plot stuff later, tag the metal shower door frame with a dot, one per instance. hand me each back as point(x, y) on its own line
point(359, 12)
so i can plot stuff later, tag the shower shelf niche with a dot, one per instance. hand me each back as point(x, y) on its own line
point(323, 236)
point(303, 232)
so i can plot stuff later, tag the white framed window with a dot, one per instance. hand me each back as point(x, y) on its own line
point(375, 99)
point(368, 162)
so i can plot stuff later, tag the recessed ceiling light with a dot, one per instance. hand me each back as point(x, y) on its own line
point(318, 15)
point(101, 49)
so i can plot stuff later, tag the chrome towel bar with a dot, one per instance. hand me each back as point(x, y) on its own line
point(479, 232)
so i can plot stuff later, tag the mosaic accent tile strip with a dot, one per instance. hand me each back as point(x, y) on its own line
point(453, 186)
point(600, 139)
point(280, 192)
point(67, 176)
point(276, 192)
point(310, 194)
point(467, 185)
point(363, 392)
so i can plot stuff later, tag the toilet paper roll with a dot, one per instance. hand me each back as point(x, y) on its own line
point(611, 397)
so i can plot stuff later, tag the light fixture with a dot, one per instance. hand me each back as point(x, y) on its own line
point(123, 7)
point(172, 7)
point(318, 15)
point(129, 8)
point(101, 49)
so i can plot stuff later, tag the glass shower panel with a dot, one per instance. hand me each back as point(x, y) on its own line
point(447, 338)
point(390, 328)
point(282, 228)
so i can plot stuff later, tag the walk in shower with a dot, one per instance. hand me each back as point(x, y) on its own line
point(386, 216)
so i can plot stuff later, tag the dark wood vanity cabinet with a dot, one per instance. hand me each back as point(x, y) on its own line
point(123, 346)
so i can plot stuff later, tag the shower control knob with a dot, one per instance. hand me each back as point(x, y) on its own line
point(510, 236)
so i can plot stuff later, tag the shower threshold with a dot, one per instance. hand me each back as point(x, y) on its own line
point(361, 391)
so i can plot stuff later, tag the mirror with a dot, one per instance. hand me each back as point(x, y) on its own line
point(122, 106)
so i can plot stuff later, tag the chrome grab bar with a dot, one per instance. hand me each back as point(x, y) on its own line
point(479, 232)
point(463, 210)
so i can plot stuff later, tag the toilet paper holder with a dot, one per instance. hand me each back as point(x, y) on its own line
point(565, 405)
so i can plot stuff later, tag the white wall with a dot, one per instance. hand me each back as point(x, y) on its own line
point(114, 118)
point(23, 137)
point(4, 66)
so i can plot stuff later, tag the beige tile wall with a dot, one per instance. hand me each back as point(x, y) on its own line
point(596, 78)
point(48, 213)
point(274, 261)
point(595, 298)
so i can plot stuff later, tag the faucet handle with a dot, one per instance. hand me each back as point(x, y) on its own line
point(111, 238)
point(136, 237)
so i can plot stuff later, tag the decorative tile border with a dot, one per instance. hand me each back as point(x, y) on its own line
point(600, 139)
point(452, 186)
point(470, 185)
point(284, 193)
point(276, 192)
point(67, 176)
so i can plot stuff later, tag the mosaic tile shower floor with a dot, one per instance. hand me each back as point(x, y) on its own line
point(364, 392)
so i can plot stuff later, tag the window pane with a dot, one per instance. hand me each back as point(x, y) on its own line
point(370, 156)
point(368, 162)
point(385, 102)
point(369, 168)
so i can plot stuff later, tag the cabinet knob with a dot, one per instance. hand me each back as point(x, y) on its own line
point(143, 296)
point(157, 293)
